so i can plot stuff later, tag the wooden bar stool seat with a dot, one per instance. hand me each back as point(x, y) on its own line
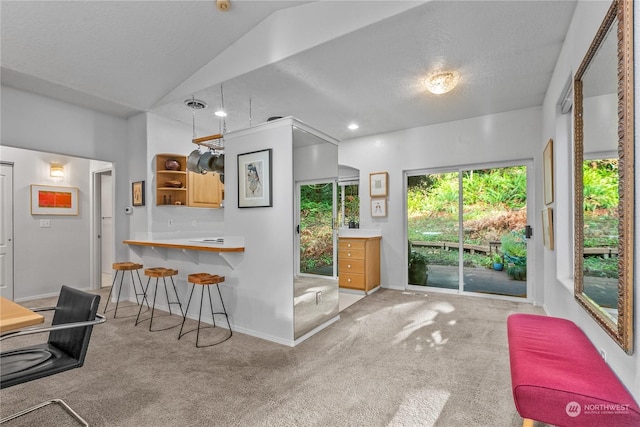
point(122, 267)
point(206, 280)
point(159, 272)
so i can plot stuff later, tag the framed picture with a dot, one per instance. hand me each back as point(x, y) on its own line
point(548, 172)
point(378, 207)
point(547, 227)
point(137, 193)
point(254, 179)
point(52, 200)
point(378, 184)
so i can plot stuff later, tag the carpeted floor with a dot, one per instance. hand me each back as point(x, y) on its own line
point(394, 359)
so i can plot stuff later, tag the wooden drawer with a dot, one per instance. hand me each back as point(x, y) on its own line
point(351, 266)
point(350, 280)
point(351, 244)
point(349, 254)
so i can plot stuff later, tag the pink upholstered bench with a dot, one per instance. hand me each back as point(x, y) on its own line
point(559, 378)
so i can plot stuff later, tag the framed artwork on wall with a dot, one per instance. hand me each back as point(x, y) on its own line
point(548, 172)
point(254, 179)
point(137, 193)
point(52, 200)
point(378, 207)
point(378, 184)
point(547, 227)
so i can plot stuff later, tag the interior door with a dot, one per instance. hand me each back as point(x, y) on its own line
point(106, 226)
point(317, 231)
point(6, 231)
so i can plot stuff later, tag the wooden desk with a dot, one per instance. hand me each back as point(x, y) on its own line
point(14, 316)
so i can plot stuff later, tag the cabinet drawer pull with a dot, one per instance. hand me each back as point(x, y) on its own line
point(348, 245)
point(349, 266)
point(348, 280)
point(348, 253)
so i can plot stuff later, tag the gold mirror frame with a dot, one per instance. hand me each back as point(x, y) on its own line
point(620, 12)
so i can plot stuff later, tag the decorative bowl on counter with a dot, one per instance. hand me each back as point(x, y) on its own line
point(172, 165)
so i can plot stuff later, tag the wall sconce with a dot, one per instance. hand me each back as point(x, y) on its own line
point(56, 170)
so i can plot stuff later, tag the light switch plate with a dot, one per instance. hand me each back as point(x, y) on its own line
point(45, 223)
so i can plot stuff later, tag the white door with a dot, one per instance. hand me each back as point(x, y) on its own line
point(6, 231)
point(106, 227)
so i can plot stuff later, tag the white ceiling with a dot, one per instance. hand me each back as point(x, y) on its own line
point(327, 63)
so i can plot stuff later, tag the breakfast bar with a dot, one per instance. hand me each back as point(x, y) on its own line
point(227, 247)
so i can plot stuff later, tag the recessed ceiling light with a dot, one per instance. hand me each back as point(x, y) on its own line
point(220, 113)
point(442, 81)
point(353, 126)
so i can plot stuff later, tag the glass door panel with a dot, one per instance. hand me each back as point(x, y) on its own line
point(317, 232)
point(494, 218)
point(432, 204)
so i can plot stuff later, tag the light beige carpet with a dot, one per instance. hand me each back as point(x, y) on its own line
point(394, 359)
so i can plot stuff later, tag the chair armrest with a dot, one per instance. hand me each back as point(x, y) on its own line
point(40, 329)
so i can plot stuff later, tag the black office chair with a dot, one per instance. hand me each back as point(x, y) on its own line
point(69, 334)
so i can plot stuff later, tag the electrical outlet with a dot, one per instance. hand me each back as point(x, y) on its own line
point(318, 297)
point(603, 354)
point(170, 222)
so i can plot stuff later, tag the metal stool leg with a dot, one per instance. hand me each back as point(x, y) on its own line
point(225, 311)
point(141, 288)
point(144, 297)
point(113, 284)
point(175, 291)
point(184, 319)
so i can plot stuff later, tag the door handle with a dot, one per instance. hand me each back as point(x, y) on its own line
point(528, 231)
point(298, 228)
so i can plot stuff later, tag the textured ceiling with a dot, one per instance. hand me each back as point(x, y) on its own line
point(326, 63)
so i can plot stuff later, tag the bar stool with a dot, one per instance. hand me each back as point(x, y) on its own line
point(206, 279)
point(158, 272)
point(122, 267)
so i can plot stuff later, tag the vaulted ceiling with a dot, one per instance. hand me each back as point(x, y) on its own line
point(328, 63)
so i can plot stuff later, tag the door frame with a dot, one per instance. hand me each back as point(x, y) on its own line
point(9, 210)
point(531, 220)
point(334, 226)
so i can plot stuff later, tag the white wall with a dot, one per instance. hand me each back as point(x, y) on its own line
point(556, 264)
point(42, 124)
point(500, 137)
point(260, 294)
point(46, 258)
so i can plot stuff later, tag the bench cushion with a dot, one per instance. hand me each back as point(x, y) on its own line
point(559, 378)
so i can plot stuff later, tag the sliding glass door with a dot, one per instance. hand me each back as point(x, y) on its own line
point(469, 227)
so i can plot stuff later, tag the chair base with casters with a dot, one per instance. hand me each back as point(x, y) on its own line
point(122, 267)
point(159, 272)
point(69, 335)
point(206, 280)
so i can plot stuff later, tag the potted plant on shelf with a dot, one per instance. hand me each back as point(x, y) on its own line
point(418, 267)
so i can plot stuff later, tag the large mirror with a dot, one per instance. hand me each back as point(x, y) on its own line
point(604, 176)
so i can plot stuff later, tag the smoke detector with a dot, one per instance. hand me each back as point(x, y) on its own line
point(223, 5)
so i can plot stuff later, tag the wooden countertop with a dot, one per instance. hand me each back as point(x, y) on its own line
point(187, 245)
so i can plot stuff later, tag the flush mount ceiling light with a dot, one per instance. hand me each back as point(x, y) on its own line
point(442, 81)
point(353, 126)
point(56, 170)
